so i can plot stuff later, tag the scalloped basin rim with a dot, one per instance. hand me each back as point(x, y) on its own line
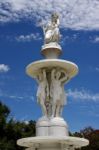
point(33, 68)
point(75, 141)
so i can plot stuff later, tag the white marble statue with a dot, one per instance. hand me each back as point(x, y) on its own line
point(43, 91)
point(51, 30)
point(57, 92)
point(64, 79)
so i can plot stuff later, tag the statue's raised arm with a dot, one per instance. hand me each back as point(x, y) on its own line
point(51, 30)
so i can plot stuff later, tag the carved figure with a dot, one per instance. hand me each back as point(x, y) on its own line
point(57, 92)
point(64, 79)
point(51, 30)
point(43, 91)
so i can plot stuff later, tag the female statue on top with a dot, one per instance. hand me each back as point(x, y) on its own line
point(51, 31)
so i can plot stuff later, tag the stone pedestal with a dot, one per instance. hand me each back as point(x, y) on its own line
point(42, 127)
point(58, 127)
point(51, 50)
point(51, 127)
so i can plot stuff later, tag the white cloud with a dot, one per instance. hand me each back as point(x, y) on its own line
point(96, 39)
point(4, 68)
point(24, 119)
point(16, 96)
point(67, 38)
point(28, 38)
point(74, 14)
point(92, 111)
point(97, 69)
point(26, 122)
point(83, 95)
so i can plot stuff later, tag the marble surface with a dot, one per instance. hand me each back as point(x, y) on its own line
point(44, 141)
point(55, 126)
point(33, 68)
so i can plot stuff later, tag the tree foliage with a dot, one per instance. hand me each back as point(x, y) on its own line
point(92, 135)
point(11, 131)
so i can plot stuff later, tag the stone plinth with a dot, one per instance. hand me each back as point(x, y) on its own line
point(58, 127)
point(42, 127)
point(51, 127)
point(52, 50)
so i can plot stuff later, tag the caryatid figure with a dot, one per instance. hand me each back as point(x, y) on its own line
point(57, 92)
point(51, 30)
point(65, 78)
point(43, 91)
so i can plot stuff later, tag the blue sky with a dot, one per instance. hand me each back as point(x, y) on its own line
point(21, 38)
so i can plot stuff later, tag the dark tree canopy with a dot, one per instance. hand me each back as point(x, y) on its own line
point(92, 135)
point(11, 130)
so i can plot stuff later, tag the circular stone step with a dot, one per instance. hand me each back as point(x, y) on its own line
point(49, 141)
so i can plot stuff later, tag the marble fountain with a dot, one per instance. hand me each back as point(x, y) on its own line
point(52, 74)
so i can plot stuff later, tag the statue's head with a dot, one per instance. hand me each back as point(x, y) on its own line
point(54, 17)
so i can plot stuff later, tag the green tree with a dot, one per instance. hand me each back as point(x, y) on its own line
point(92, 135)
point(4, 112)
point(11, 131)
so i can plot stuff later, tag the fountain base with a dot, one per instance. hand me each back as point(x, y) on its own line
point(53, 143)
